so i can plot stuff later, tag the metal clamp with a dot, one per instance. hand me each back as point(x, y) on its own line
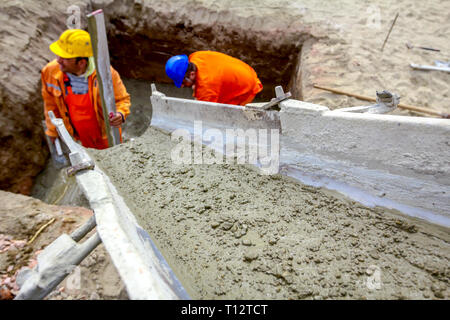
point(79, 158)
point(386, 102)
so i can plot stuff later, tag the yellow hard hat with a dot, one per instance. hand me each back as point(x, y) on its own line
point(73, 43)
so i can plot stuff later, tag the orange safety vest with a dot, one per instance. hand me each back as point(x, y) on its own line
point(224, 79)
point(83, 119)
point(54, 96)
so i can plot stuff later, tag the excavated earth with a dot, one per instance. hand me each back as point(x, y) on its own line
point(22, 239)
point(230, 233)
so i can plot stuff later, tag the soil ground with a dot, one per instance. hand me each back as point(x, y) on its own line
point(20, 219)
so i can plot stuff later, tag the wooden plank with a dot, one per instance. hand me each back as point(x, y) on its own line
point(389, 33)
point(97, 30)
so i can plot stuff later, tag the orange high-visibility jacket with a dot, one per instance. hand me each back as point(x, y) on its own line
point(53, 93)
point(224, 79)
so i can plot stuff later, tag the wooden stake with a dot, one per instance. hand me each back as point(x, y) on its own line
point(400, 105)
point(389, 33)
point(40, 230)
point(97, 30)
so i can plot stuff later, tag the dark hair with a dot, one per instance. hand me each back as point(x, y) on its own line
point(191, 67)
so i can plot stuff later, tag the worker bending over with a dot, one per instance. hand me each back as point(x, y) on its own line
point(70, 89)
point(215, 77)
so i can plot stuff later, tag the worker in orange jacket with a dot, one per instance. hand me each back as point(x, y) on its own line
point(215, 77)
point(70, 89)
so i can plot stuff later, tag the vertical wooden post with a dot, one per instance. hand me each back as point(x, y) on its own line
point(389, 33)
point(97, 31)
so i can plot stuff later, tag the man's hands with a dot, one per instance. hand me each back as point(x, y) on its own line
point(116, 120)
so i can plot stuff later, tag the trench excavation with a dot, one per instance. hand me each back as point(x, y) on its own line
point(275, 64)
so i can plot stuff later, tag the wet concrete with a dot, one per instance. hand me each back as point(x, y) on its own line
point(230, 233)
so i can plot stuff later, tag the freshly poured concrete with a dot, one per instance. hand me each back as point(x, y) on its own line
point(230, 233)
point(384, 160)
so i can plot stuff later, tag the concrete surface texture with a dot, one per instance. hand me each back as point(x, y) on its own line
point(230, 233)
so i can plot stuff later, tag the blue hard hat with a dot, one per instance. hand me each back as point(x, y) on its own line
point(176, 68)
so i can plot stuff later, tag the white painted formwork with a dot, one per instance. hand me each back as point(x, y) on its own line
point(173, 113)
point(398, 162)
point(140, 264)
point(210, 123)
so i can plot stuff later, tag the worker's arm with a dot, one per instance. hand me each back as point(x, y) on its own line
point(49, 105)
point(122, 98)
